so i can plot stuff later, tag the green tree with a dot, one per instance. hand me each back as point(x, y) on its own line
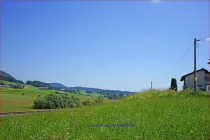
point(173, 84)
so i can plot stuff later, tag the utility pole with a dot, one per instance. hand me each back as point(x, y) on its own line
point(195, 78)
point(151, 84)
point(207, 86)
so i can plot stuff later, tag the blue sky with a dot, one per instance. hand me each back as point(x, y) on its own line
point(110, 45)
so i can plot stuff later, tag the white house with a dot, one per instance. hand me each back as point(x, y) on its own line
point(203, 79)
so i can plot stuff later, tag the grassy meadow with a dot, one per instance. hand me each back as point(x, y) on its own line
point(149, 114)
point(18, 100)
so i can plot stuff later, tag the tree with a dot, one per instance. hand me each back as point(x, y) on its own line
point(173, 84)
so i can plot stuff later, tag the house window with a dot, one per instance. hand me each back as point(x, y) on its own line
point(199, 85)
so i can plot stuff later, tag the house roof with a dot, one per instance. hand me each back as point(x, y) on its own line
point(183, 77)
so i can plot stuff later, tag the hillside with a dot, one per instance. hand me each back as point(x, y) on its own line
point(2, 73)
point(7, 77)
point(97, 90)
point(87, 89)
point(57, 85)
point(24, 85)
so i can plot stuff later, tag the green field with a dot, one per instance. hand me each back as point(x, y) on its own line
point(13, 100)
point(152, 114)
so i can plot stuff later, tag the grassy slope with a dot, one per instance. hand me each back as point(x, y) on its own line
point(154, 117)
point(25, 85)
point(12, 100)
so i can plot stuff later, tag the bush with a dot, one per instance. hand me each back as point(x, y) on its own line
point(56, 101)
point(67, 101)
point(40, 103)
point(76, 101)
point(50, 105)
point(53, 101)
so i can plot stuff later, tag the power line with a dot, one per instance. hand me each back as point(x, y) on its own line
point(183, 56)
point(203, 39)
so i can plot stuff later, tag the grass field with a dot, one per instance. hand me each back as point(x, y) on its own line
point(152, 115)
point(12, 100)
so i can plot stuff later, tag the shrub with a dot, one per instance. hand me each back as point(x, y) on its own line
point(53, 101)
point(40, 103)
point(57, 101)
point(67, 101)
point(76, 101)
point(50, 105)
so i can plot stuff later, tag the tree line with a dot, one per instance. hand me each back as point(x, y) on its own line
point(10, 79)
point(38, 84)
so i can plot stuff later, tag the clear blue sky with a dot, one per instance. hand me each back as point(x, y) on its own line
point(109, 45)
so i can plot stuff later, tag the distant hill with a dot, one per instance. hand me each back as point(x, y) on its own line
point(38, 84)
point(97, 90)
point(7, 77)
point(57, 85)
point(2, 73)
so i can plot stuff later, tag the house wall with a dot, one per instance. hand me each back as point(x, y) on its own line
point(189, 80)
point(207, 78)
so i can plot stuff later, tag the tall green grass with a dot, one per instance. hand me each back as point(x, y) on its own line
point(167, 93)
point(154, 114)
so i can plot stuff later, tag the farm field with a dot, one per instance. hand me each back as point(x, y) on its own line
point(150, 115)
point(13, 100)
